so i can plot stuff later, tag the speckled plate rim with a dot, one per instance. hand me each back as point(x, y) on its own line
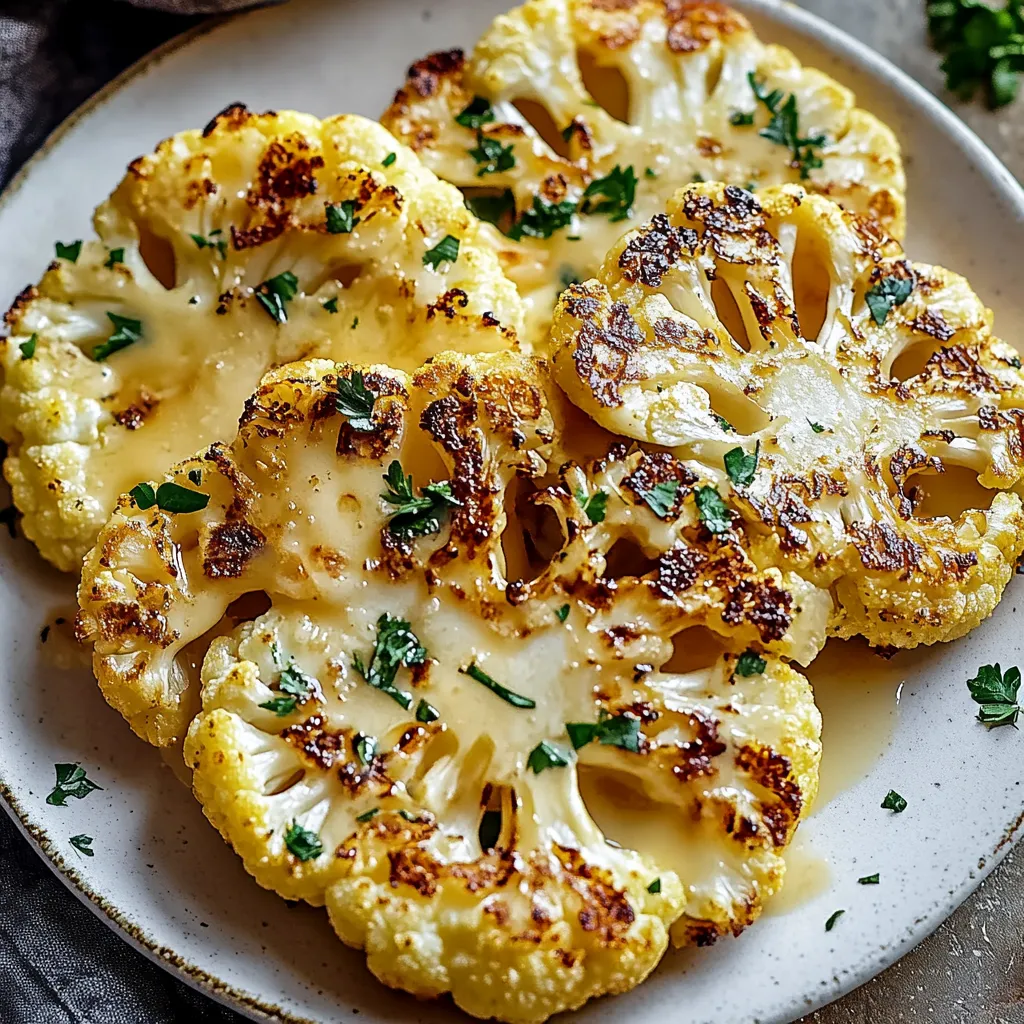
point(838, 43)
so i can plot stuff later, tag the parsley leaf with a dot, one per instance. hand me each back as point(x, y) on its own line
point(281, 706)
point(331, 305)
point(517, 701)
point(869, 879)
point(83, 844)
point(619, 191)
point(661, 497)
point(983, 47)
point(169, 497)
point(595, 506)
point(894, 802)
point(784, 127)
point(355, 400)
point(742, 466)
point(28, 348)
point(367, 815)
point(493, 208)
point(396, 646)
point(69, 252)
point(389, 160)
point(71, 782)
point(143, 495)
point(831, 922)
point(713, 512)
point(543, 219)
point(476, 114)
point(996, 693)
point(750, 663)
point(213, 242)
point(416, 517)
point(545, 755)
point(816, 427)
point(366, 749)
point(621, 731)
point(274, 293)
point(724, 423)
point(655, 887)
point(303, 843)
point(889, 292)
point(426, 712)
point(446, 251)
point(741, 118)
point(114, 256)
point(126, 332)
point(341, 217)
point(562, 613)
point(492, 156)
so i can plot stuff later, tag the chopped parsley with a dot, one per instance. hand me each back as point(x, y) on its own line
point(713, 512)
point(784, 127)
point(889, 292)
point(274, 294)
point(622, 731)
point(996, 693)
point(831, 922)
point(491, 155)
point(816, 427)
point(562, 613)
point(742, 118)
point(894, 802)
point(446, 251)
point(215, 241)
point(618, 192)
point(544, 756)
point(476, 114)
point(341, 217)
point(493, 209)
point(661, 497)
point(367, 815)
point(650, 172)
point(396, 646)
point(724, 423)
point(595, 506)
point(71, 782)
point(750, 663)
point(426, 712)
point(69, 252)
point(28, 348)
point(281, 706)
point(295, 685)
point(83, 844)
point(354, 400)
point(868, 879)
point(543, 219)
point(365, 748)
point(302, 843)
point(331, 305)
point(741, 466)
point(655, 887)
point(169, 497)
point(114, 256)
point(416, 517)
point(389, 160)
point(983, 47)
point(477, 673)
point(126, 332)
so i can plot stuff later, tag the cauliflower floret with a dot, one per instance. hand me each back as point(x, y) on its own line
point(263, 239)
point(799, 359)
point(447, 670)
point(575, 119)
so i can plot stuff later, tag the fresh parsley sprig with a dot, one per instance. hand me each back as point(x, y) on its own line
point(396, 646)
point(543, 219)
point(71, 782)
point(276, 292)
point(491, 156)
point(416, 517)
point(354, 400)
point(784, 127)
point(617, 191)
point(996, 693)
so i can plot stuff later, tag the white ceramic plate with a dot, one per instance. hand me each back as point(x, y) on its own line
point(160, 872)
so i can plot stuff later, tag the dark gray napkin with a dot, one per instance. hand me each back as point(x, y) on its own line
point(58, 963)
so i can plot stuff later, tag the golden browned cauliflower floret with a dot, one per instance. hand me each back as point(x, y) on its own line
point(262, 239)
point(458, 682)
point(573, 120)
point(855, 406)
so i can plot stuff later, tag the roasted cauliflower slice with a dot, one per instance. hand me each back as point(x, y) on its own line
point(453, 671)
point(573, 120)
point(829, 386)
point(262, 239)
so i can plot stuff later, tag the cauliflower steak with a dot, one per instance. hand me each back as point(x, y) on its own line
point(573, 120)
point(449, 673)
point(831, 386)
point(263, 239)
